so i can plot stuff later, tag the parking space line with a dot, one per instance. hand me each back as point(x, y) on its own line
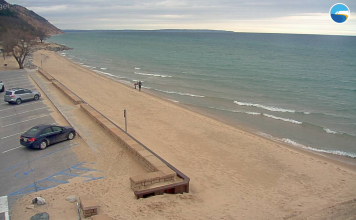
point(24, 121)
point(4, 207)
point(12, 149)
point(8, 103)
point(12, 79)
point(36, 186)
point(40, 157)
point(23, 112)
point(30, 87)
point(13, 135)
point(15, 83)
point(21, 133)
point(18, 106)
point(57, 181)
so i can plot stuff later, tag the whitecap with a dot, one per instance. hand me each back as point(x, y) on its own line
point(180, 93)
point(283, 119)
point(137, 68)
point(253, 113)
point(103, 68)
point(330, 131)
point(150, 74)
point(236, 111)
point(269, 108)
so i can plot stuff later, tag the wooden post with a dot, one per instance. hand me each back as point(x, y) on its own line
point(125, 116)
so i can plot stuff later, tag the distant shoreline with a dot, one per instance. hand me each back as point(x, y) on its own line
point(197, 31)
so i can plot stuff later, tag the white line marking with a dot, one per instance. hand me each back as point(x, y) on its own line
point(24, 121)
point(12, 149)
point(4, 206)
point(23, 112)
point(21, 133)
point(15, 83)
point(12, 79)
point(18, 106)
point(13, 135)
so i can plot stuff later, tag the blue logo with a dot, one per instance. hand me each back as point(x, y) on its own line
point(339, 13)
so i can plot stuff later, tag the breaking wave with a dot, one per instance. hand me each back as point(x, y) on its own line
point(283, 119)
point(257, 113)
point(296, 144)
point(172, 100)
point(179, 93)
point(104, 73)
point(151, 74)
point(269, 108)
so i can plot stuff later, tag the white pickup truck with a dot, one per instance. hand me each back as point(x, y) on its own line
point(2, 87)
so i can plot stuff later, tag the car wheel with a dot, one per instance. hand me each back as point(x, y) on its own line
point(43, 144)
point(36, 97)
point(18, 101)
point(71, 135)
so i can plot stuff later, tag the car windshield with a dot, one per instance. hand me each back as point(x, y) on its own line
point(8, 93)
point(33, 131)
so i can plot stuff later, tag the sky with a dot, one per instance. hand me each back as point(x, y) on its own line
point(262, 16)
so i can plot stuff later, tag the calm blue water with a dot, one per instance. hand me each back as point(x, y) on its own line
point(297, 89)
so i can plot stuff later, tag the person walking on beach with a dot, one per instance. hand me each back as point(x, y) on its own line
point(139, 85)
point(135, 85)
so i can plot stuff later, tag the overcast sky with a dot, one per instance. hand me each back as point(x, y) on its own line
point(266, 16)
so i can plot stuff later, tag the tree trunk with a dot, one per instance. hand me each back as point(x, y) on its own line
point(19, 61)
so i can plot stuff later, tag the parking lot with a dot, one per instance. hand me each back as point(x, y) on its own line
point(25, 170)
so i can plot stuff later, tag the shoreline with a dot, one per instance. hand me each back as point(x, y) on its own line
point(234, 174)
point(348, 162)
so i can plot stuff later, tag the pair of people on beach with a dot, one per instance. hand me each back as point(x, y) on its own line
point(139, 83)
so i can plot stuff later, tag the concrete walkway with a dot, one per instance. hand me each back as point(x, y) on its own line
point(65, 107)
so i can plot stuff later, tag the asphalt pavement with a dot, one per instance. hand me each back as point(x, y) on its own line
point(24, 170)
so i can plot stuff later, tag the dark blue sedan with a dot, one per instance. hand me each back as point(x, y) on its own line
point(42, 136)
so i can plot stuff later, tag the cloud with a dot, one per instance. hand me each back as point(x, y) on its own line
point(51, 9)
point(250, 16)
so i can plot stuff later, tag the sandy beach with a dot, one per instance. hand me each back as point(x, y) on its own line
point(234, 174)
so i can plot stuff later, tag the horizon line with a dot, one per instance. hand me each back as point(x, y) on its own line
point(202, 30)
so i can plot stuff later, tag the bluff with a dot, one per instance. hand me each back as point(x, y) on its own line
point(17, 17)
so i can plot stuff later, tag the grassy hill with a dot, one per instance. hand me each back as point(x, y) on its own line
point(20, 18)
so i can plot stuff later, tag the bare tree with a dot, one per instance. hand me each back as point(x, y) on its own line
point(41, 34)
point(18, 43)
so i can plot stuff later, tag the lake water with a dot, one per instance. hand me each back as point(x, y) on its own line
point(295, 89)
